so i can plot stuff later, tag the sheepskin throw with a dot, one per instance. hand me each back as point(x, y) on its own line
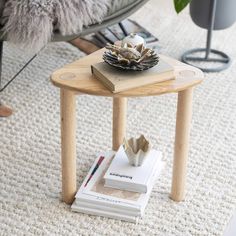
point(30, 23)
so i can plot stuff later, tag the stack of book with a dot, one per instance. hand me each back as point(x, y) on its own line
point(115, 189)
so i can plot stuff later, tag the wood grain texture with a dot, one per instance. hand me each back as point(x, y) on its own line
point(84, 45)
point(68, 145)
point(119, 122)
point(77, 76)
point(183, 122)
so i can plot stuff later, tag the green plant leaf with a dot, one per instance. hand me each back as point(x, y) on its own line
point(180, 4)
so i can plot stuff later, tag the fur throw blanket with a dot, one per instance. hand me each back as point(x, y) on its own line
point(30, 23)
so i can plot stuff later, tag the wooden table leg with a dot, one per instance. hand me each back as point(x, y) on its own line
point(68, 145)
point(183, 122)
point(119, 121)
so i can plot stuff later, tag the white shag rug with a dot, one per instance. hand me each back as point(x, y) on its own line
point(30, 178)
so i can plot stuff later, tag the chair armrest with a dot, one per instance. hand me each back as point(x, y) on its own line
point(108, 21)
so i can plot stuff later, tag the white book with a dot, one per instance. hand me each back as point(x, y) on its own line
point(113, 215)
point(96, 192)
point(78, 204)
point(96, 199)
point(106, 201)
point(122, 175)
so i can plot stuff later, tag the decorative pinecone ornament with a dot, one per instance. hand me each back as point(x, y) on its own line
point(129, 57)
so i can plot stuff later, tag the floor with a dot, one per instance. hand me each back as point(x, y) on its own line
point(30, 181)
point(231, 228)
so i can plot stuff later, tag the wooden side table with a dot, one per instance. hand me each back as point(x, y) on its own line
point(76, 78)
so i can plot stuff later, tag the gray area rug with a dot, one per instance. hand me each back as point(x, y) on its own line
point(30, 198)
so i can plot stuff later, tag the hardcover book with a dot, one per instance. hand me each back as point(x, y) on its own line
point(122, 175)
point(117, 80)
point(96, 199)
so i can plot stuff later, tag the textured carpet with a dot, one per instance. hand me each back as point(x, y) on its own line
point(30, 202)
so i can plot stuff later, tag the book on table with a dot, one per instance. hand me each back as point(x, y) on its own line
point(117, 80)
point(122, 175)
point(96, 199)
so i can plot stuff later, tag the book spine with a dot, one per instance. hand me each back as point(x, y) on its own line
point(139, 188)
point(100, 77)
point(108, 209)
point(106, 201)
point(131, 219)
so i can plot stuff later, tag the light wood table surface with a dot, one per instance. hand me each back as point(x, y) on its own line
point(76, 78)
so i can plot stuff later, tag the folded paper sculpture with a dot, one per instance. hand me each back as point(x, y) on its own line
point(136, 150)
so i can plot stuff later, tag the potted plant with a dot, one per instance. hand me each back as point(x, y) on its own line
point(200, 12)
point(180, 4)
point(210, 15)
